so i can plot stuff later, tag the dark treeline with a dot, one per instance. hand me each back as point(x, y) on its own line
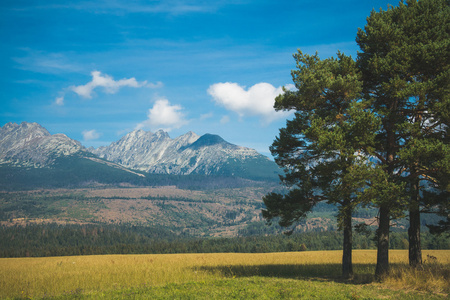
point(64, 240)
point(86, 174)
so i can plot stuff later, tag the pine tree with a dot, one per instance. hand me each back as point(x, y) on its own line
point(320, 149)
point(403, 73)
point(405, 67)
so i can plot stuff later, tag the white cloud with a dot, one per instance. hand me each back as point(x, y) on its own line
point(109, 85)
point(164, 116)
point(89, 135)
point(45, 62)
point(290, 87)
point(59, 101)
point(172, 7)
point(258, 100)
point(206, 116)
point(157, 85)
point(225, 120)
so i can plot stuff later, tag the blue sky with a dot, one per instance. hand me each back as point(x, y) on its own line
point(96, 70)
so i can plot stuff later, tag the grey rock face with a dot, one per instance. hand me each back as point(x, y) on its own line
point(31, 144)
point(186, 154)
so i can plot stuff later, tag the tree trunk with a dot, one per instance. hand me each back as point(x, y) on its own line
point(382, 267)
point(415, 249)
point(347, 268)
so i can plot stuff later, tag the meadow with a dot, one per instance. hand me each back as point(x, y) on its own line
point(308, 274)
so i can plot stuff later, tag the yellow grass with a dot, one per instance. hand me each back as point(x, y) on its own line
point(38, 277)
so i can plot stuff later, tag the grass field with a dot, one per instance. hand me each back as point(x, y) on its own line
point(290, 275)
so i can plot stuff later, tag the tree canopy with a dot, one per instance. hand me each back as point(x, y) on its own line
point(372, 130)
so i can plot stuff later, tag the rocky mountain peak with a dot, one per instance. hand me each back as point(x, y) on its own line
point(186, 154)
point(209, 140)
point(30, 143)
point(136, 132)
point(186, 139)
point(25, 131)
point(161, 134)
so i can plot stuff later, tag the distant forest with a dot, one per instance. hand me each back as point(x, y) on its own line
point(62, 240)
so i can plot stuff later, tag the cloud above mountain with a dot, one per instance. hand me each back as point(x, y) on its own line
point(164, 116)
point(258, 100)
point(109, 85)
point(90, 135)
point(59, 101)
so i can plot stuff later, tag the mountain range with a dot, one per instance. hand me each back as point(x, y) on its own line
point(208, 154)
point(29, 146)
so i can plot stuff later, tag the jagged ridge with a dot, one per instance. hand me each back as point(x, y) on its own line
point(29, 144)
point(186, 154)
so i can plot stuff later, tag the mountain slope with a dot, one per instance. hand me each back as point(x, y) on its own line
point(187, 154)
point(139, 149)
point(30, 144)
point(31, 157)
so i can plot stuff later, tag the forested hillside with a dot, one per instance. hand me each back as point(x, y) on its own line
point(73, 172)
point(59, 240)
point(172, 220)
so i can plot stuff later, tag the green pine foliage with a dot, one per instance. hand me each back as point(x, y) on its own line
point(372, 130)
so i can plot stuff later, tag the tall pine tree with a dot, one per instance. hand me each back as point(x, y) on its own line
point(405, 67)
point(403, 70)
point(320, 149)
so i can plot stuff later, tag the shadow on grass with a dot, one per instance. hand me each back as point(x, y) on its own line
point(363, 273)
